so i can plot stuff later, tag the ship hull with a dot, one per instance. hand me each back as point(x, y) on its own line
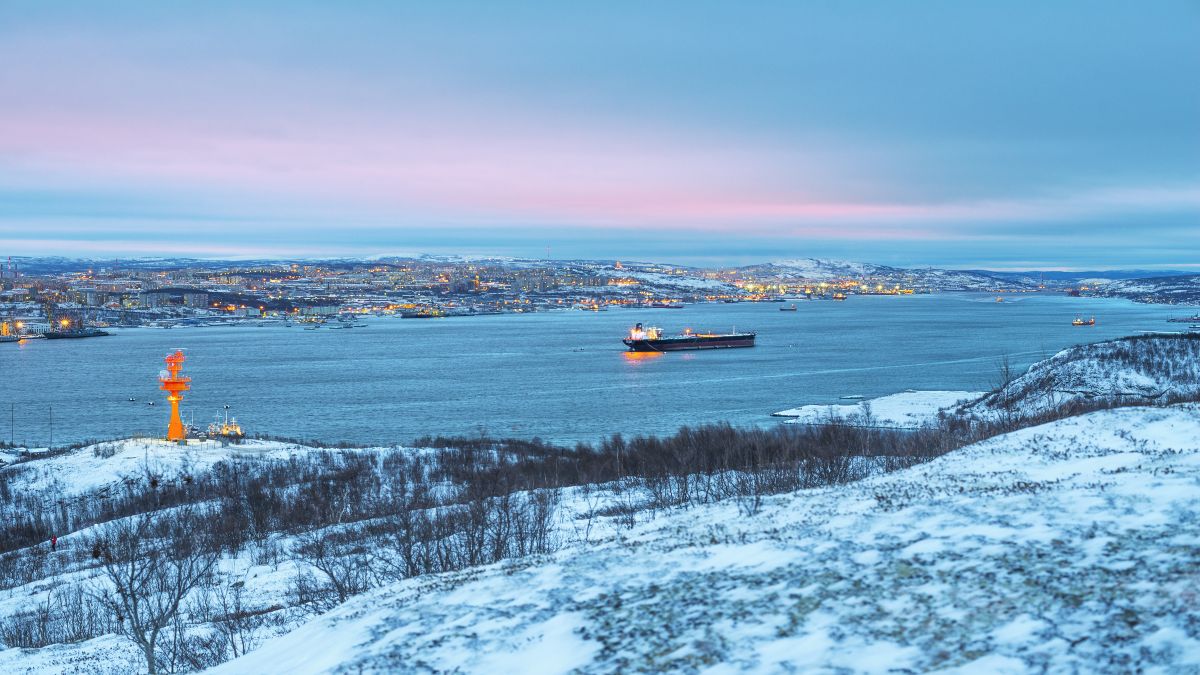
point(71, 335)
point(689, 342)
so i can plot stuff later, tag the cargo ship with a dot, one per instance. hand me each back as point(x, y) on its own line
point(1080, 321)
point(651, 339)
point(73, 333)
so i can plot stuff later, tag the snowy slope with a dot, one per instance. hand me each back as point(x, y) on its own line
point(115, 463)
point(1131, 370)
point(1070, 546)
point(675, 282)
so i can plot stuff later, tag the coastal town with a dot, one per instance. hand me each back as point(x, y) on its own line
point(41, 296)
point(56, 297)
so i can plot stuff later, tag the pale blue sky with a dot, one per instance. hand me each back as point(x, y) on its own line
point(1061, 134)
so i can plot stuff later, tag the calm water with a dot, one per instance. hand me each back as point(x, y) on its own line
point(561, 376)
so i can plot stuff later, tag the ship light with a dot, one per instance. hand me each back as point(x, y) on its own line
point(64, 323)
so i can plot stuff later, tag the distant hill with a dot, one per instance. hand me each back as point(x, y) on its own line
point(1168, 290)
point(817, 269)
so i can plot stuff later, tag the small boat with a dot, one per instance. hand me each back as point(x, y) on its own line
point(228, 430)
point(839, 296)
point(1079, 321)
point(999, 299)
point(852, 397)
point(132, 398)
point(790, 308)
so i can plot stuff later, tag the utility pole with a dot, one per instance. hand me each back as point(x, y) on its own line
point(52, 426)
point(12, 424)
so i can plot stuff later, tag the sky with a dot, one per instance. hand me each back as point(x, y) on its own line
point(1015, 135)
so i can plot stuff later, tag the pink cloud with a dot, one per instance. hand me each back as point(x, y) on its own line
point(252, 137)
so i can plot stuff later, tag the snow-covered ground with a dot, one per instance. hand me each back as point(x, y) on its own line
point(905, 410)
point(114, 463)
point(1069, 547)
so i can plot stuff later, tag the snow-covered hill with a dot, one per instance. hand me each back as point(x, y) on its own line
point(1135, 370)
point(1173, 290)
point(816, 269)
point(675, 283)
point(1066, 547)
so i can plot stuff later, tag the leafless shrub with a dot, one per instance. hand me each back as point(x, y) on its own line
point(150, 566)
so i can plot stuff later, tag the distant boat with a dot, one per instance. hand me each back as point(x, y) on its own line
point(1079, 321)
point(852, 397)
point(999, 299)
point(790, 308)
point(839, 296)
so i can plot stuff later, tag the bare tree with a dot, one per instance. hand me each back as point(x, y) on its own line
point(152, 565)
point(346, 568)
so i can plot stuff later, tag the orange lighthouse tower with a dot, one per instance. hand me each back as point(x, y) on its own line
point(174, 384)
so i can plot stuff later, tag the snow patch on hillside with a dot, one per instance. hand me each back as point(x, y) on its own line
point(677, 282)
point(905, 410)
point(116, 463)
